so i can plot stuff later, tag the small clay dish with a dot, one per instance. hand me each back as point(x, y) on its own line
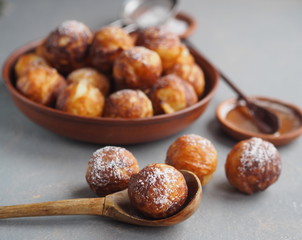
point(237, 122)
point(109, 130)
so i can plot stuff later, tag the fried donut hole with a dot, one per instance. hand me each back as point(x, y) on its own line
point(28, 60)
point(109, 170)
point(194, 153)
point(41, 84)
point(128, 103)
point(107, 45)
point(184, 56)
point(91, 76)
point(158, 190)
point(81, 98)
point(162, 41)
point(137, 68)
point(66, 47)
point(253, 165)
point(170, 94)
point(192, 74)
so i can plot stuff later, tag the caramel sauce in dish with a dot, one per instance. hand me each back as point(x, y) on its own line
point(289, 120)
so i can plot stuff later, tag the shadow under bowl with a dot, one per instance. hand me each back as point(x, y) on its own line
point(103, 130)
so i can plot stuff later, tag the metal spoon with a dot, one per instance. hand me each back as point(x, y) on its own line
point(139, 14)
point(116, 206)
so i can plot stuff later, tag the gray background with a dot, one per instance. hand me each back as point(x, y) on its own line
point(257, 43)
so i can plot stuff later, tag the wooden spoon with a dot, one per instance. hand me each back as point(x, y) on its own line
point(266, 121)
point(116, 206)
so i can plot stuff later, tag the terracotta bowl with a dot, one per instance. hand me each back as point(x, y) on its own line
point(108, 130)
point(240, 133)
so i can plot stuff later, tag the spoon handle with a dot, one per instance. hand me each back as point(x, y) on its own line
point(234, 87)
point(223, 76)
point(86, 206)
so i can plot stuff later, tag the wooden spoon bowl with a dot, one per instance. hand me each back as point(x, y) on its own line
point(116, 206)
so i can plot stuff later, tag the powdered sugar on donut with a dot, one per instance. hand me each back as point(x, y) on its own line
point(106, 164)
point(71, 26)
point(196, 140)
point(201, 143)
point(258, 155)
point(162, 183)
point(141, 55)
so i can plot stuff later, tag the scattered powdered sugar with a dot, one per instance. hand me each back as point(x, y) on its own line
point(257, 155)
point(106, 164)
point(70, 26)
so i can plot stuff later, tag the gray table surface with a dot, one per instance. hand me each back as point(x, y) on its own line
point(257, 43)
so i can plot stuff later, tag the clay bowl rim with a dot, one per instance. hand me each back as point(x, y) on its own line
point(240, 133)
point(12, 58)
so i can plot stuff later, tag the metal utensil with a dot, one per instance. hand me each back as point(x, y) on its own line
point(136, 14)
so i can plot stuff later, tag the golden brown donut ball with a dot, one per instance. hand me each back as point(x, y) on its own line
point(41, 84)
point(158, 190)
point(81, 98)
point(194, 153)
point(28, 60)
point(107, 45)
point(91, 76)
point(170, 94)
point(137, 68)
point(109, 170)
point(184, 57)
point(40, 50)
point(162, 41)
point(66, 47)
point(253, 165)
point(191, 73)
point(128, 103)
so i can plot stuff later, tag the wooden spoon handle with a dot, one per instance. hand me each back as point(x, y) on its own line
point(89, 206)
point(234, 87)
point(223, 76)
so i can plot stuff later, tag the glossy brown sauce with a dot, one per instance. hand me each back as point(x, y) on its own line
point(289, 120)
